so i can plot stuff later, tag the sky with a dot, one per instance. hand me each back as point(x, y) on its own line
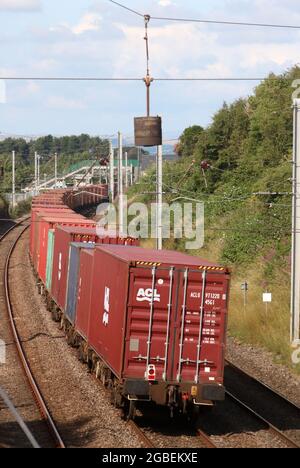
point(96, 38)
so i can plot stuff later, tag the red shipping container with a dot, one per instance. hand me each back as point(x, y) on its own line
point(64, 235)
point(162, 309)
point(93, 234)
point(37, 233)
point(43, 211)
point(84, 291)
point(41, 245)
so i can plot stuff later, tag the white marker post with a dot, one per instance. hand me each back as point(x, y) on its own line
point(267, 299)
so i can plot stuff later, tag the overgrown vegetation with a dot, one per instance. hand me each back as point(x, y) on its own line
point(3, 208)
point(21, 209)
point(246, 151)
point(70, 149)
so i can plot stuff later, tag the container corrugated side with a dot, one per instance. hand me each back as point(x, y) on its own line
point(84, 291)
point(73, 276)
point(179, 292)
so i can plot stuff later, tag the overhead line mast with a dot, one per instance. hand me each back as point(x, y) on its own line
point(295, 287)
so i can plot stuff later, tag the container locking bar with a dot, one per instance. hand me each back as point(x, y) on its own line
point(168, 323)
point(204, 274)
point(186, 274)
point(150, 320)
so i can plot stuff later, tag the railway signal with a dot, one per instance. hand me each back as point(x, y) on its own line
point(245, 289)
point(148, 132)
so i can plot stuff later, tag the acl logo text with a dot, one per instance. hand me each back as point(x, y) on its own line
point(147, 295)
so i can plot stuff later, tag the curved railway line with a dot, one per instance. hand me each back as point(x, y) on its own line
point(280, 415)
point(273, 413)
point(39, 401)
point(202, 440)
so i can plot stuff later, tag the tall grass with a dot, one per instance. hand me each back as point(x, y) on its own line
point(257, 324)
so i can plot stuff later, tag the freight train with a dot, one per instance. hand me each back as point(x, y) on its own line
point(150, 324)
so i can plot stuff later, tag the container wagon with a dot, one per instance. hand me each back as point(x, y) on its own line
point(152, 325)
point(64, 237)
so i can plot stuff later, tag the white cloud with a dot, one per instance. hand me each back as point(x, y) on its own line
point(20, 5)
point(89, 22)
point(190, 50)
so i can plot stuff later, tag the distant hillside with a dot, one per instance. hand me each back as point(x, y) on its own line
point(247, 150)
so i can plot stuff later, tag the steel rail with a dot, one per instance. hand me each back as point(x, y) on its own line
point(3, 236)
point(40, 402)
point(262, 385)
point(206, 439)
point(148, 443)
point(265, 422)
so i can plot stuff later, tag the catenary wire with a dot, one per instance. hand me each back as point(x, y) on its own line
point(126, 8)
point(204, 21)
point(227, 23)
point(169, 79)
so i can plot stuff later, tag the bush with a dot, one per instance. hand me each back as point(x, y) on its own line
point(21, 209)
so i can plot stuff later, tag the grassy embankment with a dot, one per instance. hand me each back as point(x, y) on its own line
point(249, 147)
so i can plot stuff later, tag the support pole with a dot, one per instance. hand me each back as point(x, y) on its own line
point(55, 169)
point(131, 175)
point(295, 277)
point(111, 172)
point(38, 173)
point(159, 196)
point(35, 173)
point(120, 180)
point(13, 179)
point(139, 163)
point(126, 169)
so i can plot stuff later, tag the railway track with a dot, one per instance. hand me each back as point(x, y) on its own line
point(257, 399)
point(277, 413)
point(31, 382)
point(201, 438)
point(272, 429)
point(141, 434)
point(156, 430)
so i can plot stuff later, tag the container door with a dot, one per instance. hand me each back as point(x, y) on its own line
point(72, 283)
point(149, 322)
point(200, 327)
point(49, 259)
